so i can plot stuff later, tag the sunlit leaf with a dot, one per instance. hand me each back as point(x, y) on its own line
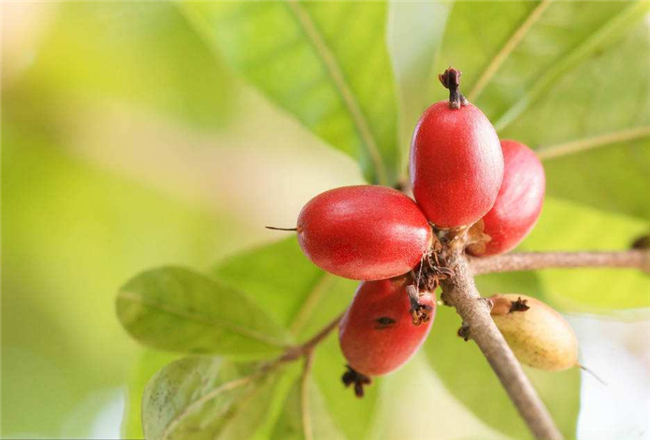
point(467, 375)
point(176, 309)
point(415, 35)
point(208, 398)
point(288, 286)
point(305, 416)
point(147, 365)
point(326, 63)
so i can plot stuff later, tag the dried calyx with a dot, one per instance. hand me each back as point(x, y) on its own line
point(451, 80)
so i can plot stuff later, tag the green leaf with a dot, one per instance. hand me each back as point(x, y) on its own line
point(598, 290)
point(144, 54)
point(286, 284)
point(467, 375)
point(148, 364)
point(305, 415)
point(415, 32)
point(209, 398)
point(176, 309)
point(354, 417)
point(326, 63)
point(277, 276)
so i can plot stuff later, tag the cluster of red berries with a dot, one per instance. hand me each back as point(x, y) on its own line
point(461, 175)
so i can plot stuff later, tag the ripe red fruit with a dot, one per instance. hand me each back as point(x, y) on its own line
point(363, 232)
point(456, 164)
point(519, 202)
point(377, 334)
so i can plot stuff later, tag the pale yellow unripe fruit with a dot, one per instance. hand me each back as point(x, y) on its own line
point(540, 337)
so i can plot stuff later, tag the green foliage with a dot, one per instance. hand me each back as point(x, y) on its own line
point(206, 398)
point(176, 309)
point(279, 278)
point(146, 366)
point(533, 67)
point(305, 415)
point(305, 57)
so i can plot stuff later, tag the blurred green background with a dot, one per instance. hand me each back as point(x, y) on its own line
point(127, 143)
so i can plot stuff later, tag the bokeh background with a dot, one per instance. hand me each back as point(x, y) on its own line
point(127, 144)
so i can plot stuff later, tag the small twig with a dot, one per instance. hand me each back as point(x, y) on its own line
point(306, 348)
point(632, 259)
point(460, 292)
point(304, 397)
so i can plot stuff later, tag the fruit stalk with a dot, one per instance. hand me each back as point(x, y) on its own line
point(631, 259)
point(460, 292)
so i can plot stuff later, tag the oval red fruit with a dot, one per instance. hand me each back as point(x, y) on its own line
point(363, 232)
point(456, 164)
point(519, 202)
point(377, 334)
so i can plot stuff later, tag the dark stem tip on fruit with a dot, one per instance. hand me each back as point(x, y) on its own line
point(420, 313)
point(519, 305)
point(351, 376)
point(273, 228)
point(450, 78)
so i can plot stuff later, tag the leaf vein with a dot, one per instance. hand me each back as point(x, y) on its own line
point(332, 66)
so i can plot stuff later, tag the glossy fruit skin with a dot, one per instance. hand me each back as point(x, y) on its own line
point(363, 232)
point(539, 337)
point(374, 349)
point(456, 165)
point(519, 202)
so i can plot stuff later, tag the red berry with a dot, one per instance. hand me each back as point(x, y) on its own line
point(377, 334)
point(363, 232)
point(519, 202)
point(456, 164)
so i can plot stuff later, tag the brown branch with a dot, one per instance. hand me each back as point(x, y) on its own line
point(460, 292)
point(632, 259)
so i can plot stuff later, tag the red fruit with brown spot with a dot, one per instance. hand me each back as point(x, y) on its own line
point(364, 232)
point(377, 334)
point(456, 164)
point(519, 202)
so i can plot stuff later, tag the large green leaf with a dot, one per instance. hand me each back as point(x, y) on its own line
point(326, 63)
point(285, 284)
point(176, 309)
point(305, 416)
point(147, 365)
point(144, 54)
point(467, 375)
point(209, 398)
point(566, 226)
point(414, 38)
